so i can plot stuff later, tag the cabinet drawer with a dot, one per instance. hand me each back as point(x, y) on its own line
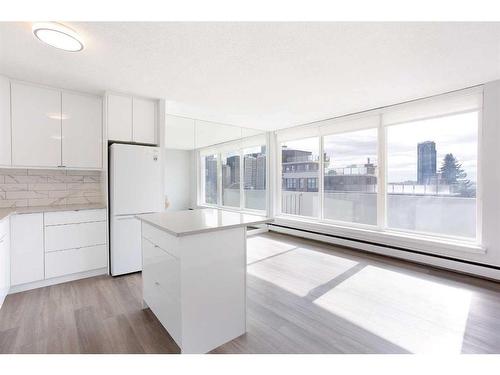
point(164, 240)
point(70, 236)
point(161, 269)
point(66, 262)
point(74, 217)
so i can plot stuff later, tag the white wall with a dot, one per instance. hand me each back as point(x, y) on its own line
point(179, 178)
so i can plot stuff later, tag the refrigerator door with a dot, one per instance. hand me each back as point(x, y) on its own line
point(135, 179)
point(126, 252)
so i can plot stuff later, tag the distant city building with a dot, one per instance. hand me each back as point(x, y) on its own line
point(426, 162)
point(211, 179)
point(299, 171)
point(357, 177)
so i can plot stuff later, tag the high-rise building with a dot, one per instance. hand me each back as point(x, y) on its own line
point(426, 163)
point(260, 178)
point(211, 179)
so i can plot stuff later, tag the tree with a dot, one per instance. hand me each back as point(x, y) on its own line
point(453, 174)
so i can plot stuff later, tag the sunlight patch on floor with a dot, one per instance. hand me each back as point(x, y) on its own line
point(300, 270)
point(418, 315)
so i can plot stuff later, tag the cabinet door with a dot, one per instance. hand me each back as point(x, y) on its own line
point(119, 117)
point(5, 121)
point(81, 131)
point(26, 258)
point(144, 121)
point(36, 126)
point(4, 259)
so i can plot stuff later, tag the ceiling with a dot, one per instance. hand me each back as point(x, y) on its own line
point(261, 75)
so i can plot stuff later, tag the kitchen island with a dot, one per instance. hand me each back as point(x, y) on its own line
point(194, 274)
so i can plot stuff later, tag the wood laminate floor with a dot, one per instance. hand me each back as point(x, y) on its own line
point(303, 297)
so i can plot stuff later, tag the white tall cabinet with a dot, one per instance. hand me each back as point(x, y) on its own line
point(131, 119)
point(36, 126)
point(5, 140)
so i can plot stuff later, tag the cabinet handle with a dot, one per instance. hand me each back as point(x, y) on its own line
point(61, 166)
point(157, 283)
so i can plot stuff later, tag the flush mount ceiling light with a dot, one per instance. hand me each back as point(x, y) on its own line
point(57, 35)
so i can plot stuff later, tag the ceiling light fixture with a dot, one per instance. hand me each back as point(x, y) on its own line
point(57, 35)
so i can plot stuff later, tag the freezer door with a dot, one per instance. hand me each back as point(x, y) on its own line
point(135, 179)
point(126, 252)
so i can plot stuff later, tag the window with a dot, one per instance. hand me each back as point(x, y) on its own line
point(254, 177)
point(432, 175)
point(233, 175)
point(210, 185)
point(350, 177)
point(410, 168)
point(231, 179)
point(299, 161)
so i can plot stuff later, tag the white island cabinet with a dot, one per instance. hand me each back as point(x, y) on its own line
point(194, 274)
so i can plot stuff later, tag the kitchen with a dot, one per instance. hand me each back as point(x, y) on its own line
point(192, 202)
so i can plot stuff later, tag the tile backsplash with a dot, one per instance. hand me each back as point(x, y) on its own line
point(46, 187)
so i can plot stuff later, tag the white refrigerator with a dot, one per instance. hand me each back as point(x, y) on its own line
point(135, 186)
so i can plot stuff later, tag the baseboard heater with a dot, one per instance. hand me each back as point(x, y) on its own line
point(389, 247)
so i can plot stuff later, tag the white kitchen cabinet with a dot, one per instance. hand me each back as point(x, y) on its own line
point(4, 258)
point(143, 121)
point(27, 253)
point(119, 117)
point(75, 241)
point(5, 135)
point(36, 126)
point(131, 119)
point(81, 131)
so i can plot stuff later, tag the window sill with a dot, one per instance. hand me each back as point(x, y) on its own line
point(431, 245)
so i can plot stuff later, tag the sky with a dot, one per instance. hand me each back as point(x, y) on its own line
point(455, 134)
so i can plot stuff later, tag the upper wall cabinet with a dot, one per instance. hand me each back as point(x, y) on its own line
point(54, 128)
point(119, 118)
point(144, 120)
point(131, 119)
point(36, 126)
point(81, 131)
point(5, 150)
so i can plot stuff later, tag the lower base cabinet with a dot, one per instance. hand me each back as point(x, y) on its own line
point(55, 244)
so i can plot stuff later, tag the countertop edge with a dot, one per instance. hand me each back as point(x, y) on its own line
point(8, 211)
point(199, 231)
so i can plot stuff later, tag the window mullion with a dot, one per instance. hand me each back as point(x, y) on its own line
point(321, 178)
point(381, 175)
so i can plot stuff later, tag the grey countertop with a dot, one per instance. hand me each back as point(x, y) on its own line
point(183, 223)
point(4, 212)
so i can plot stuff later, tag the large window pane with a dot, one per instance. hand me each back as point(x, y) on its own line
point(432, 175)
point(300, 174)
point(209, 168)
point(350, 177)
point(254, 175)
point(231, 179)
